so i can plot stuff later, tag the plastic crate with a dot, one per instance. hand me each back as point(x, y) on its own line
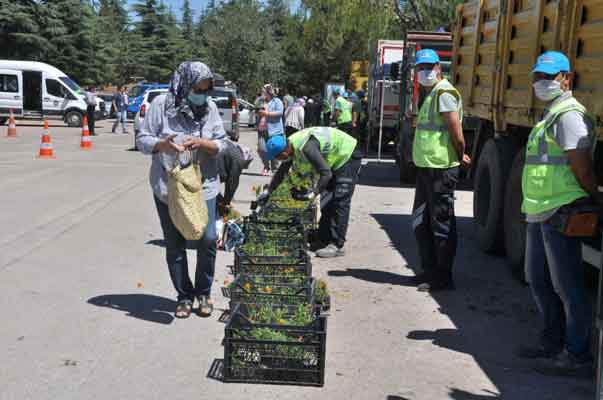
point(297, 265)
point(273, 213)
point(257, 230)
point(273, 353)
point(271, 289)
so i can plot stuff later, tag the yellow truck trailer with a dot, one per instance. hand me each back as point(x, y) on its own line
point(496, 43)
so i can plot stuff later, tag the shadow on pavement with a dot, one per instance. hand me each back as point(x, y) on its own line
point(492, 313)
point(142, 306)
point(190, 244)
point(375, 276)
point(380, 175)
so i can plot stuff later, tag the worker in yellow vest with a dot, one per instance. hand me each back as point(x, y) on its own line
point(327, 156)
point(343, 111)
point(438, 153)
point(558, 175)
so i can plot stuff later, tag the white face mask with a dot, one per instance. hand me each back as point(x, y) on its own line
point(428, 77)
point(547, 90)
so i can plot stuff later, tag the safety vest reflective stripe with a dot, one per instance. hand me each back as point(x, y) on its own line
point(546, 160)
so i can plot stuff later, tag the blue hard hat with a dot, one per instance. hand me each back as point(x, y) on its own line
point(275, 146)
point(427, 56)
point(551, 63)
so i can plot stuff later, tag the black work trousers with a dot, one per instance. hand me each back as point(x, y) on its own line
point(90, 114)
point(333, 225)
point(434, 222)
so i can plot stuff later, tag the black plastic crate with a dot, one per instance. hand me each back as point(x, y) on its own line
point(298, 264)
point(274, 213)
point(271, 289)
point(273, 353)
point(258, 230)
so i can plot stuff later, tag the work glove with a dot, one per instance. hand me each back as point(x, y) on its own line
point(302, 196)
point(263, 197)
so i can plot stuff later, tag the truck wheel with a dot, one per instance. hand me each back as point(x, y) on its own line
point(489, 188)
point(514, 221)
point(74, 119)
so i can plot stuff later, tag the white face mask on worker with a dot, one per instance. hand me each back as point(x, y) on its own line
point(428, 77)
point(547, 90)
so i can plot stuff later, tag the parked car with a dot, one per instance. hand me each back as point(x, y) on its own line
point(147, 99)
point(108, 99)
point(136, 95)
point(226, 100)
point(246, 113)
point(35, 90)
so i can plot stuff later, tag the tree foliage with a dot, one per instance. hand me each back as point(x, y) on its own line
point(250, 42)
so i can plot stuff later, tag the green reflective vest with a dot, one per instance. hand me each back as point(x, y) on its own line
point(335, 146)
point(345, 110)
point(432, 147)
point(548, 181)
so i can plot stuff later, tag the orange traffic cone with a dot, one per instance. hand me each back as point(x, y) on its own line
point(86, 142)
point(46, 150)
point(12, 127)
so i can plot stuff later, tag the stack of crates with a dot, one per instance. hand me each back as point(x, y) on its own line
point(276, 332)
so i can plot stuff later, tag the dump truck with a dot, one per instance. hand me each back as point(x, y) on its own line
point(411, 94)
point(496, 43)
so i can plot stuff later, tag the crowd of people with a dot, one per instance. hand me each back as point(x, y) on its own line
point(276, 115)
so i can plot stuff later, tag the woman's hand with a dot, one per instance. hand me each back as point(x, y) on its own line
point(167, 145)
point(196, 143)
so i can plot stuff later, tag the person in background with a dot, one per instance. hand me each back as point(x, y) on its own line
point(273, 112)
point(343, 112)
point(120, 104)
point(558, 175)
point(186, 119)
point(329, 155)
point(288, 101)
point(294, 117)
point(231, 162)
point(90, 108)
point(356, 115)
point(438, 153)
point(326, 112)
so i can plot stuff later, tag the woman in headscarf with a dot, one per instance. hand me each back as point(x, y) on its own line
point(294, 117)
point(186, 119)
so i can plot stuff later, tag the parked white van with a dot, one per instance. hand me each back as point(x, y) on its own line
point(34, 90)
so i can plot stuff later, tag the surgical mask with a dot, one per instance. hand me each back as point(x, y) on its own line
point(428, 77)
point(197, 99)
point(547, 90)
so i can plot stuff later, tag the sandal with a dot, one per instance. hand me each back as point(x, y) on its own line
point(184, 309)
point(206, 306)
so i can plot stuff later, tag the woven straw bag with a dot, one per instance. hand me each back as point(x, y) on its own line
point(186, 203)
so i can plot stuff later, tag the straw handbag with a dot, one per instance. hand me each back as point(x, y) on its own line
point(186, 203)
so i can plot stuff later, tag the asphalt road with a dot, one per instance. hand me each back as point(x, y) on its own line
point(88, 304)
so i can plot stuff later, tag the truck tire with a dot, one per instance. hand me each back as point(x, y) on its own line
point(489, 189)
point(514, 220)
point(74, 118)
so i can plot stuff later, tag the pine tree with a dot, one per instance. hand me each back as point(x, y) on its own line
point(20, 35)
point(69, 25)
